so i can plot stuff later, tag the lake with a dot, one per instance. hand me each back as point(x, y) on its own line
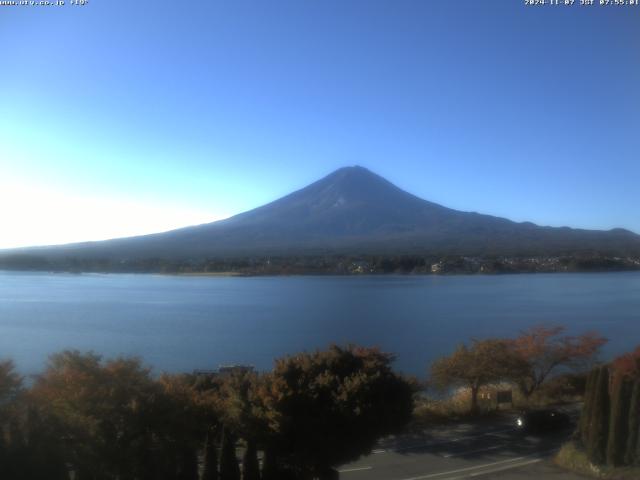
point(180, 323)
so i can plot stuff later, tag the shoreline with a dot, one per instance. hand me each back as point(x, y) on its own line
point(320, 274)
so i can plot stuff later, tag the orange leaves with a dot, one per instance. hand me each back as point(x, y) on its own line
point(628, 365)
point(528, 360)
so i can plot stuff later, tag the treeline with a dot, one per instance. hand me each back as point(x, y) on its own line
point(90, 419)
point(327, 264)
point(609, 429)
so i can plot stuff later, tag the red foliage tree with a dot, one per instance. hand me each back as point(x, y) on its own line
point(545, 350)
point(628, 365)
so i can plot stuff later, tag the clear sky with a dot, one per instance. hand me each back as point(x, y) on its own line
point(124, 117)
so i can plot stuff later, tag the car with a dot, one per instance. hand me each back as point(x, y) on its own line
point(542, 420)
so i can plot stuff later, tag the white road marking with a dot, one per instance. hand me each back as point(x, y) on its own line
point(354, 469)
point(507, 467)
point(527, 460)
point(379, 450)
point(460, 470)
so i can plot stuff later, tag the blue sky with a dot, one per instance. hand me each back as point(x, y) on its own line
point(119, 118)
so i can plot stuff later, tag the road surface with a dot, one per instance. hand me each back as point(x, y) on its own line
point(484, 449)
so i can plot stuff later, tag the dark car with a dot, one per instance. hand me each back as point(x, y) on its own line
point(542, 420)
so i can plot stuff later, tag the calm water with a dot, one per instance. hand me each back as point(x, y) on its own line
point(182, 323)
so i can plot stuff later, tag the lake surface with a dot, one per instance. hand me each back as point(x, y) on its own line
point(185, 323)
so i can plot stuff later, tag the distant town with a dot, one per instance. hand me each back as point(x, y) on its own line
point(332, 265)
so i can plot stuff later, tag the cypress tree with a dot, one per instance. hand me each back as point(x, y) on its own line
point(250, 466)
point(631, 454)
point(210, 459)
point(3, 455)
point(229, 469)
point(269, 465)
point(188, 464)
point(147, 463)
point(168, 466)
point(598, 432)
point(587, 407)
point(619, 421)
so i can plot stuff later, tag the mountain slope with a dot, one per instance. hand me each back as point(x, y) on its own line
point(356, 211)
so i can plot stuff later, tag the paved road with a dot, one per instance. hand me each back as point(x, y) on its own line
point(487, 450)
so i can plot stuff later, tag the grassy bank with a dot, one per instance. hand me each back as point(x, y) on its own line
point(574, 458)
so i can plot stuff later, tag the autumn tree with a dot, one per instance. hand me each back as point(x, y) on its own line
point(545, 350)
point(102, 412)
point(329, 407)
point(628, 364)
point(243, 414)
point(10, 388)
point(189, 413)
point(10, 382)
point(482, 363)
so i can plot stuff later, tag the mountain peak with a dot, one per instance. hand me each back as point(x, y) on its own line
point(356, 180)
point(357, 211)
point(353, 172)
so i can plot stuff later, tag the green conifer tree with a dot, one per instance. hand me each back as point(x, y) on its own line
point(229, 469)
point(188, 464)
point(599, 430)
point(631, 455)
point(619, 420)
point(269, 465)
point(587, 408)
point(210, 459)
point(250, 465)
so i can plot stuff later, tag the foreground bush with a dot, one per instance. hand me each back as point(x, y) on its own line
point(330, 407)
point(91, 419)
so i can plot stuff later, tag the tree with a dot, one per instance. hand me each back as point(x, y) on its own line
point(270, 467)
point(189, 412)
point(243, 415)
point(329, 407)
point(241, 409)
point(10, 388)
point(628, 364)
point(587, 408)
point(599, 424)
point(627, 367)
point(484, 362)
point(631, 453)
point(210, 471)
point(10, 382)
point(544, 351)
point(619, 420)
point(102, 410)
point(250, 465)
point(229, 469)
